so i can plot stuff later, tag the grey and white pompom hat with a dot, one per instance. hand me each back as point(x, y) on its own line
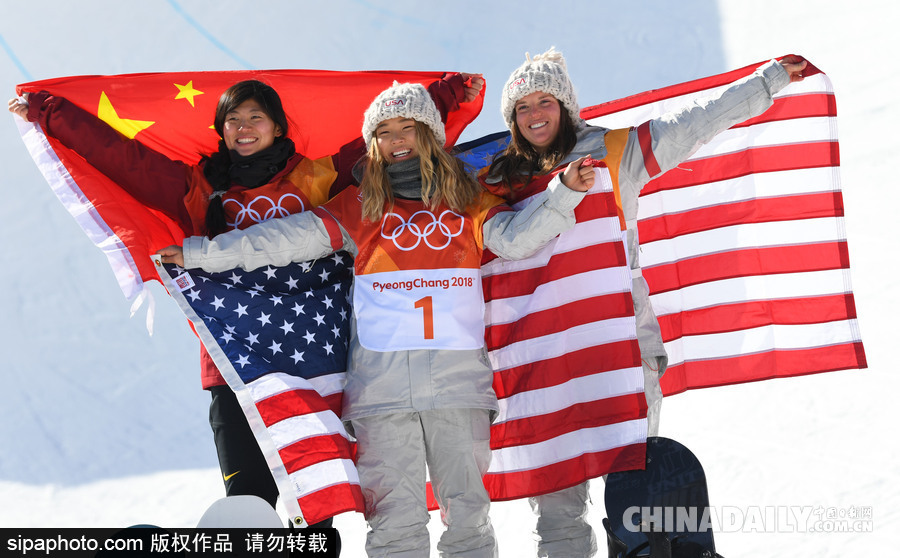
point(544, 72)
point(403, 100)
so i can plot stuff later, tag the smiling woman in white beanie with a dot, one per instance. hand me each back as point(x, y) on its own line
point(541, 110)
point(546, 73)
point(407, 100)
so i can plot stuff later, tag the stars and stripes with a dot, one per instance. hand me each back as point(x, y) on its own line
point(562, 340)
point(743, 245)
point(256, 315)
point(279, 337)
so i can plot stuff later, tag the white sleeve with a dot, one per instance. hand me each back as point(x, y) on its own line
point(674, 137)
point(514, 235)
point(295, 238)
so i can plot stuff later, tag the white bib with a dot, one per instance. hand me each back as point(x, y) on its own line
point(420, 309)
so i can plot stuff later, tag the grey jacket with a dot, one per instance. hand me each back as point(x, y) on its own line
point(398, 381)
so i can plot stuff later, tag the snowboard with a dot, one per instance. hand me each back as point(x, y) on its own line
point(252, 512)
point(661, 511)
point(245, 512)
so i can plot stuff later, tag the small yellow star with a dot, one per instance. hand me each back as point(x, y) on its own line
point(187, 91)
point(126, 127)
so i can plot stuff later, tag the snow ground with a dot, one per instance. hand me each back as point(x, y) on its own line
point(105, 426)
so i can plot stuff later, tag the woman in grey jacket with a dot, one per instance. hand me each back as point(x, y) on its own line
point(418, 382)
point(540, 108)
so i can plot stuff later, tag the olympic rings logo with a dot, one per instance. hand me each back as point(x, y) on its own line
point(254, 215)
point(424, 226)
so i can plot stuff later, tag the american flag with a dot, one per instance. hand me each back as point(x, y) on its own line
point(279, 337)
point(744, 251)
point(561, 336)
point(743, 245)
point(567, 370)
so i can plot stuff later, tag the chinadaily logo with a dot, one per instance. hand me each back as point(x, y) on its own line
point(753, 519)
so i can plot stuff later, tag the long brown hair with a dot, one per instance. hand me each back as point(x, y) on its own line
point(444, 179)
point(520, 157)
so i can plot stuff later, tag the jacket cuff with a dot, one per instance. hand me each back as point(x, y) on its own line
point(35, 103)
point(193, 251)
point(447, 93)
point(457, 86)
point(562, 198)
point(775, 76)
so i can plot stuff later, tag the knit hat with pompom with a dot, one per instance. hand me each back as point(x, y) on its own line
point(403, 100)
point(545, 72)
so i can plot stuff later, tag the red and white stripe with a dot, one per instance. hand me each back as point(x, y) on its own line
point(566, 359)
point(307, 448)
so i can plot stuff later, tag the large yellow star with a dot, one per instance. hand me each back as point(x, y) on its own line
point(187, 91)
point(126, 127)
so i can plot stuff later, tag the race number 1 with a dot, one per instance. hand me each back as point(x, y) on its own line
point(428, 316)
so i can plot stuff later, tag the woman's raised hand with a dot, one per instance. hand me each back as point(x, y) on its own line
point(19, 106)
point(579, 175)
point(474, 85)
point(794, 66)
point(172, 255)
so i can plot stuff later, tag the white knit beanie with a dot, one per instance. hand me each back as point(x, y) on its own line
point(403, 100)
point(545, 72)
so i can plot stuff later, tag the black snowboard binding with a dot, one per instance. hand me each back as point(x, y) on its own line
point(662, 511)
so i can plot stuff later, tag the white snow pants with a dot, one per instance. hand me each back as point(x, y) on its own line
point(562, 529)
point(653, 391)
point(393, 451)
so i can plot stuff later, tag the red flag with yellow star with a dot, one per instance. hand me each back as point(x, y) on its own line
point(172, 113)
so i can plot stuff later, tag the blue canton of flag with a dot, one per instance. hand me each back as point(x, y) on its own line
point(293, 319)
point(479, 153)
point(279, 336)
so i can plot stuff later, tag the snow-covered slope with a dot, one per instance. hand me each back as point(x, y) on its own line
point(103, 425)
